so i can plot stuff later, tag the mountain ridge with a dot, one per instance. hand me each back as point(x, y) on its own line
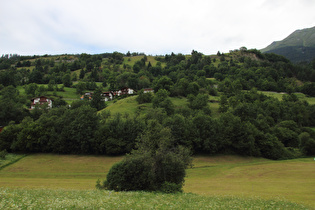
point(299, 46)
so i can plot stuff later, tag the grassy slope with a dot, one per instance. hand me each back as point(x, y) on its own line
point(132, 60)
point(127, 105)
point(130, 106)
point(291, 180)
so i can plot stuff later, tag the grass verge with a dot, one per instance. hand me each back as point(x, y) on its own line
point(95, 199)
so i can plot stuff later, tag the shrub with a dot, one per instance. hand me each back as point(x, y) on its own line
point(168, 167)
point(129, 175)
point(3, 154)
point(169, 187)
point(157, 164)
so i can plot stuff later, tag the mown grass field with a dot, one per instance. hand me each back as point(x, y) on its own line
point(292, 180)
point(56, 171)
point(221, 180)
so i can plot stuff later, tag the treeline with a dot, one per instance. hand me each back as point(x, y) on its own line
point(250, 124)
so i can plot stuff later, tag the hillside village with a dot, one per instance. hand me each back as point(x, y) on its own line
point(192, 95)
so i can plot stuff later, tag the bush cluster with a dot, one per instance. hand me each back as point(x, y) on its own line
point(156, 165)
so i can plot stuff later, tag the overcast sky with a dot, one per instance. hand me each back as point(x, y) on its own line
point(153, 27)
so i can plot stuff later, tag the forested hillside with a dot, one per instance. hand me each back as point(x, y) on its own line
point(219, 109)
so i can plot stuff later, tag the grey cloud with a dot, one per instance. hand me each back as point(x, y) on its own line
point(154, 27)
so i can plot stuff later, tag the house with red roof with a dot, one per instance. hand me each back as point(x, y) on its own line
point(41, 101)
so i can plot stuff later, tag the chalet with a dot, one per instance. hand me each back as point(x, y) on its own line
point(116, 92)
point(40, 101)
point(108, 96)
point(127, 91)
point(148, 90)
point(123, 91)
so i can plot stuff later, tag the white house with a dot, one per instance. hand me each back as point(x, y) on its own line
point(108, 96)
point(40, 101)
point(123, 91)
point(127, 91)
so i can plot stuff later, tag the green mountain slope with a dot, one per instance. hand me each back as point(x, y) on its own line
point(298, 46)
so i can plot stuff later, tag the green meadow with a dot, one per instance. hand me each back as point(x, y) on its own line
point(130, 106)
point(127, 105)
point(68, 181)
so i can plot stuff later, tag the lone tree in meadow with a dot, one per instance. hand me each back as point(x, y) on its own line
point(157, 164)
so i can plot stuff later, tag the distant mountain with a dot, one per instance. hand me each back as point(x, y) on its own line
point(298, 46)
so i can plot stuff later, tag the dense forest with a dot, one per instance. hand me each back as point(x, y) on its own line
point(249, 122)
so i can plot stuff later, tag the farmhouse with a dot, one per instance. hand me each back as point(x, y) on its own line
point(108, 96)
point(127, 91)
point(41, 101)
point(123, 91)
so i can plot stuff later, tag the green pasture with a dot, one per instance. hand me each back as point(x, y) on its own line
point(127, 105)
point(237, 179)
point(131, 107)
